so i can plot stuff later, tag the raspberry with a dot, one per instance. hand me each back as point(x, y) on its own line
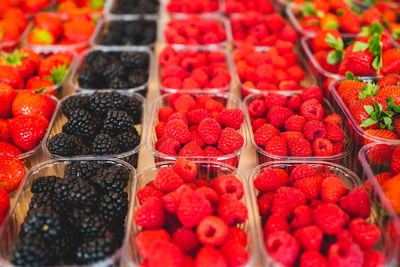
point(209, 193)
point(276, 146)
point(366, 235)
point(274, 99)
point(187, 261)
point(185, 239)
point(276, 223)
point(269, 180)
point(301, 171)
point(191, 149)
point(312, 110)
point(286, 200)
point(232, 118)
point(333, 118)
point(200, 76)
point(348, 255)
point(295, 73)
point(145, 238)
point(289, 34)
point(150, 214)
point(263, 134)
point(209, 130)
point(264, 72)
point(169, 147)
point(299, 147)
point(334, 132)
point(172, 199)
point(178, 130)
point(373, 258)
point(165, 253)
point(172, 82)
point(211, 151)
point(160, 129)
point(212, 231)
point(237, 234)
point(230, 140)
point(235, 253)
point(186, 169)
point(282, 247)
point(337, 148)
point(257, 123)
point(264, 204)
point(309, 237)
point(284, 47)
point(294, 103)
point(173, 71)
point(164, 113)
point(190, 83)
point(295, 123)
point(228, 184)
point(314, 130)
point(146, 192)
point(178, 116)
point(232, 210)
point(193, 207)
point(302, 216)
point(357, 203)
point(311, 92)
point(310, 186)
point(213, 105)
point(184, 103)
point(201, 101)
point(311, 258)
point(322, 147)
point(195, 137)
point(332, 189)
point(167, 180)
point(329, 217)
point(209, 256)
point(289, 135)
point(344, 237)
point(195, 116)
point(278, 115)
point(257, 108)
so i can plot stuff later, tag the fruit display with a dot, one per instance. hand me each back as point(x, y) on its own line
point(196, 31)
point(185, 219)
point(79, 8)
point(29, 7)
point(318, 213)
point(193, 6)
point(233, 7)
point(73, 213)
point(12, 172)
point(188, 69)
point(198, 126)
point(13, 23)
point(133, 7)
point(113, 69)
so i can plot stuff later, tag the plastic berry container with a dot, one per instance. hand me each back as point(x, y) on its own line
point(228, 100)
point(103, 25)
point(386, 244)
point(111, 9)
point(344, 158)
point(81, 64)
point(20, 205)
point(206, 168)
point(60, 119)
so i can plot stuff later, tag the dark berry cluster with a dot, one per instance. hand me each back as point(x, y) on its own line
point(136, 7)
point(100, 124)
point(137, 32)
point(78, 219)
point(114, 70)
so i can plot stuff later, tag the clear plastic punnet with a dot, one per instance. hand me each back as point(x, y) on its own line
point(20, 204)
point(387, 244)
point(110, 5)
point(60, 119)
point(209, 169)
point(228, 100)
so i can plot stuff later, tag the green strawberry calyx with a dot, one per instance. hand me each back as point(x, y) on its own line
point(96, 4)
point(370, 90)
point(374, 44)
point(14, 58)
point(336, 55)
point(57, 74)
point(378, 115)
point(350, 76)
point(309, 10)
point(1, 35)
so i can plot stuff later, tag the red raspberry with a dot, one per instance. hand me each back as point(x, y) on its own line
point(232, 210)
point(295, 123)
point(334, 132)
point(294, 103)
point(286, 200)
point(237, 234)
point(201, 101)
point(264, 134)
point(184, 103)
point(269, 180)
point(191, 149)
point(302, 216)
point(278, 115)
point(257, 108)
point(329, 217)
point(185, 239)
point(312, 110)
point(209, 193)
point(213, 105)
point(195, 137)
point(189, 83)
point(257, 123)
point(310, 186)
point(322, 147)
point(169, 147)
point(311, 92)
point(288, 85)
point(178, 116)
point(333, 118)
point(264, 204)
point(160, 129)
point(299, 147)
point(309, 237)
point(366, 235)
point(146, 192)
point(193, 207)
point(311, 258)
point(165, 253)
point(373, 258)
point(209, 256)
point(235, 253)
point(275, 223)
point(150, 214)
point(291, 59)
point(200, 76)
point(345, 255)
point(228, 184)
point(282, 247)
point(197, 115)
point(164, 113)
point(230, 140)
point(276, 146)
point(212, 231)
point(167, 180)
point(232, 118)
point(301, 171)
point(145, 238)
point(178, 130)
point(295, 73)
point(284, 47)
point(314, 130)
point(172, 199)
point(174, 83)
point(357, 203)
point(211, 151)
point(173, 71)
point(265, 73)
point(332, 189)
point(289, 135)
point(288, 34)
point(274, 99)
point(275, 22)
point(186, 169)
point(344, 237)
point(209, 130)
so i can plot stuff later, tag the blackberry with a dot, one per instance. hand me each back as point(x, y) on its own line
point(133, 28)
point(84, 170)
point(104, 144)
point(114, 207)
point(70, 104)
point(110, 180)
point(77, 192)
point(75, 215)
point(98, 61)
point(117, 121)
point(115, 70)
point(116, 26)
point(81, 124)
point(40, 200)
point(102, 102)
point(92, 225)
point(44, 184)
point(32, 251)
point(96, 249)
point(87, 78)
point(128, 140)
point(111, 38)
point(118, 83)
point(64, 144)
point(135, 60)
point(135, 80)
point(134, 109)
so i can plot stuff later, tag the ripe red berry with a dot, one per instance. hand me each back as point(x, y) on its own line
point(263, 134)
point(185, 239)
point(275, 223)
point(357, 203)
point(278, 115)
point(228, 184)
point(230, 140)
point(282, 247)
point(322, 147)
point(309, 237)
point(366, 235)
point(232, 210)
point(310, 186)
point(329, 217)
point(311, 258)
point(167, 180)
point(150, 214)
point(165, 253)
point(299, 147)
point(178, 130)
point(301, 171)
point(332, 189)
point(277, 146)
point(302, 216)
point(212, 231)
point(209, 130)
point(232, 118)
point(235, 253)
point(314, 129)
point(269, 180)
point(295, 123)
point(193, 207)
point(186, 169)
point(286, 200)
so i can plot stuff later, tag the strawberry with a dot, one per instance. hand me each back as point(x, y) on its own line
point(357, 61)
point(33, 6)
point(395, 161)
point(350, 89)
point(349, 21)
point(78, 30)
point(12, 171)
point(36, 83)
point(4, 204)
point(7, 96)
point(391, 61)
point(371, 15)
point(8, 32)
point(16, 16)
point(389, 79)
point(381, 133)
point(392, 192)
point(9, 149)
point(21, 60)
point(29, 103)
point(390, 91)
point(324, 59)
point(49, 21)
point(10, 75)
point(361, 116)
point(319, 42)
point(55, 67)
point(41, 37)
point(5, 134)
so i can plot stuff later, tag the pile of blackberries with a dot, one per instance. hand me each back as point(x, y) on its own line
point(136, 7)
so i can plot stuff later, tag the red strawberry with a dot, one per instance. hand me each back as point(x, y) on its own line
point(12, 171)
point(332, 189)
point(22, 61)
point(5, 133)
point(319, 42)
point(390, 91)
point(7, 96)
point(9, 149)
point(78, 30)
point(357, 109)
point(33, 6)
point(40, 37)
point(4, 204)
point(349, 21)
point(356, 203)
point(391, 61)
point(55, 67)
point(349, 90)
point(357, 61)
point(381, 133)
point(10, 75)
point(29, 103)
point(389, 79)
point(49, 21)
point(150, 214)
point(36, 83)
point(9, 31)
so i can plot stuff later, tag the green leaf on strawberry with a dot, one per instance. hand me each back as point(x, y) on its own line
point(308, 10)
point(1, 35)
point(350, 76)
point(385, 118)
point(370, 90)
point(360, 46)
point(57, 74)
point(96, 4)
point(337, 44)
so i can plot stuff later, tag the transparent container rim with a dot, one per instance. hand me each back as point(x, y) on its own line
point(108, 49)
point(109, 14)
point(343, 154)
point(166, 157)
point(119, 252)
point(120, 155)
